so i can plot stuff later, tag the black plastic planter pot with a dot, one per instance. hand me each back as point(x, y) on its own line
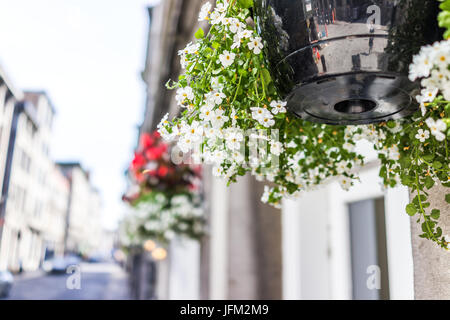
point(346, 61)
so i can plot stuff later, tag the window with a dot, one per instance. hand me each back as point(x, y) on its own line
point(25, 161)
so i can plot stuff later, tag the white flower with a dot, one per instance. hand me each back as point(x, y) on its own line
point(245, 34)
point(263, 116)
point(207, 113)
point(222, 7)
point(348, 146)
point(255, 45)
point(266, 194)
point(423, 109)
point(184, 61)
point(236, 42)
point(428, 95)
point(345, 182)
point(163, 121)
point(442, 58)
point(438, 77)
point(393, 153)
point(235, 25)
point(190, 49)
point(258, 113)
point(446, 92)
point(212, 133)
point(227, 58)
point(204, 11)
point(238, 156)
point(421, 65)
point(276, 147)
point(217, 171)
point(342, 167)
point(219, 118)
point(183, 95)
point(216, 17)
point(278, 107)
point(215, 97)
point(437, 127)
point(267, 121)
point(193, 132)
point(234, 139)
point(185, 143)
point(422, 135)
point(168, 136)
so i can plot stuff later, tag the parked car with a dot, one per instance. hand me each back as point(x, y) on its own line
point(6, 281)
point(60, 264)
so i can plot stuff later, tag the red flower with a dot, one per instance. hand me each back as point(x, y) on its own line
point(146, 141)
point(151, 154)
point(138, 162)
point(163, 171)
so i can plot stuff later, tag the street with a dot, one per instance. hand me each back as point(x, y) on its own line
point(98, 281)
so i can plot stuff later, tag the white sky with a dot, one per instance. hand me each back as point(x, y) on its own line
point(87, 55)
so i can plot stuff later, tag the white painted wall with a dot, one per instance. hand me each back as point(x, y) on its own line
point(184, 282)
point(219, 239)
point(316, 242)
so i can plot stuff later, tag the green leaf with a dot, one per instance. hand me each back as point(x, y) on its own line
point(266, 76)
point(437, 165)
point(391, 124)
point(411, 209)
point(447, 197)
point(200, 33)
point(245, 3)
point(445, 6)
point(429, 182)
point(435, 214)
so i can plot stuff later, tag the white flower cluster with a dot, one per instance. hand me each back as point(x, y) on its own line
point(213, 135)
point(432, 64)
point(156, 219)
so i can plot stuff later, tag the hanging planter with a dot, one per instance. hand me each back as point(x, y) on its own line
point(233, 83)
point(164, 197)
point(346, 63)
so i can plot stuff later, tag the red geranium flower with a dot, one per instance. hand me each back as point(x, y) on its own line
point(163, 171)
point(146, 141)
point(138, 161)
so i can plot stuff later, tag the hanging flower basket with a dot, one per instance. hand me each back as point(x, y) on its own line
point(233, 83)
point(164, 197)
point(346, 63)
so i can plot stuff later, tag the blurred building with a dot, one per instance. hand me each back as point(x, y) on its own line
point(10, 98)
point(45, 209)
point(83, 232)
point(26, 190)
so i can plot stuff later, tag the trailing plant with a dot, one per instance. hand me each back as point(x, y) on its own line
point(233, 118)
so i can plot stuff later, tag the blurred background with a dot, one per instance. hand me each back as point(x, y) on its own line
point(80, 82)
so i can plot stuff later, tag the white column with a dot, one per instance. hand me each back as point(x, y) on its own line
point(219, 240)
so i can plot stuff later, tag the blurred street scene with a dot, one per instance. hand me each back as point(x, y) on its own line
point(98, 281)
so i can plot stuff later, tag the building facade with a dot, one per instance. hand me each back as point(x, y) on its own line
point(83, 231)
point(26, 190)
point(46, 209)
